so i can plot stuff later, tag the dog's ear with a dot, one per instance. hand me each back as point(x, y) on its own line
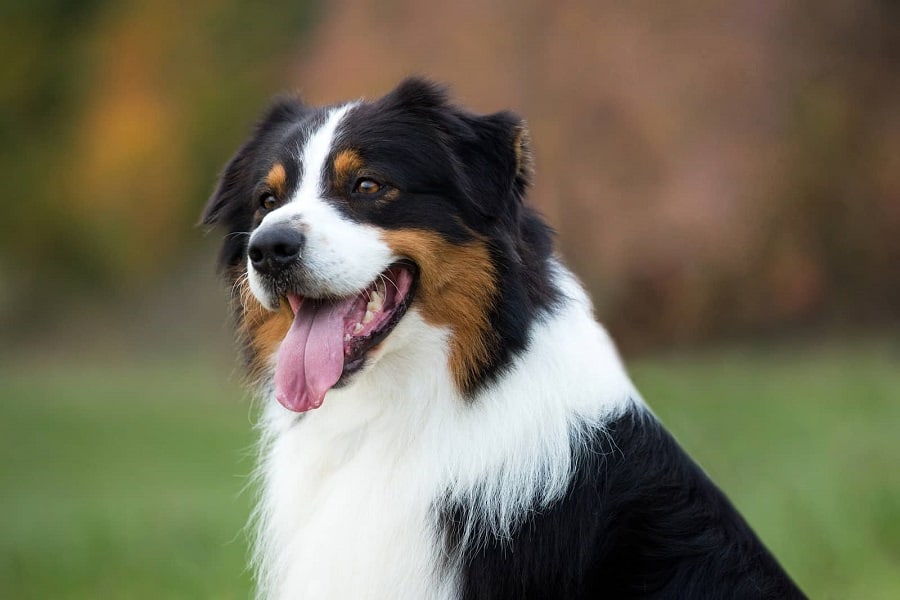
point(513, 145)
point(498, 161)
point(416, 94)
point(229, 195)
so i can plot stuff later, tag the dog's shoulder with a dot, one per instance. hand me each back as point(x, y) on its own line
point(640, 519)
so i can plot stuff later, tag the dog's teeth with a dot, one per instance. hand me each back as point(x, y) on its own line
point(347, 337)
point(376, 302)
point(357, 328)
point(368, 317)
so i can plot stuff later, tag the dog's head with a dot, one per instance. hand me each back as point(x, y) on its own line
point(343, 220)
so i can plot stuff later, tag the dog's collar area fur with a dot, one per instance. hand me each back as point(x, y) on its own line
point(488, 443)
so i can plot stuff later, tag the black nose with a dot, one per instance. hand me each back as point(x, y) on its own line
point(274, 249)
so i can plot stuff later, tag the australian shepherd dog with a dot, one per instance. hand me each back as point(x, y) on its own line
point(442, 415)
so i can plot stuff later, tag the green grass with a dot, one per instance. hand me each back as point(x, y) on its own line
point(123, 483)
point(806, 442)
point(126, 482)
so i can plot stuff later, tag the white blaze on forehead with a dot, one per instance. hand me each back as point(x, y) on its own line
point(316, 152)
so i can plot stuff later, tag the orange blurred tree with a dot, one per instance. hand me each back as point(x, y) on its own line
point(116, 119)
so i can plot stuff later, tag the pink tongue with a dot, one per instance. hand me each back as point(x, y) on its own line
point(311, 357)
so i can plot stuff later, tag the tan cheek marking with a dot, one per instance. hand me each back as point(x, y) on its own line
point(263, 330)
point(457, 288)
point(346, 164)
point(276, 179)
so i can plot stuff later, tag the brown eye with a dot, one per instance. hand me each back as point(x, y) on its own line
point(366, 186)
point(268, 201)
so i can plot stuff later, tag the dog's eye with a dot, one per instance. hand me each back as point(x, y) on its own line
point(366, 186)
point(268, 201)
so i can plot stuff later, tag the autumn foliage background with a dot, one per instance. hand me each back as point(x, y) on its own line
point(713, 169)
point(720, 174)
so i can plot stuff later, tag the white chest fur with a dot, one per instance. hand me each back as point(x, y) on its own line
point(350, 517)
point(351, 491)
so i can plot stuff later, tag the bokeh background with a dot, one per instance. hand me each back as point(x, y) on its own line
point(723, 176)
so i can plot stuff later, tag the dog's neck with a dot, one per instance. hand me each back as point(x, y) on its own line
point(403, 434)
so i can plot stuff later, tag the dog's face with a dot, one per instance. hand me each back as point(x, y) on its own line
point(341, 220)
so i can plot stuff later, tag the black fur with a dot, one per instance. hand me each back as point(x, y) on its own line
point(640, 520)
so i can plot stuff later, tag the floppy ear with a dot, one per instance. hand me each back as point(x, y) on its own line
point(238, 172)
point(498, 161)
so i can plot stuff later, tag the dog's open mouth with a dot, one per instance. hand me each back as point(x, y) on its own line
point(329, 338)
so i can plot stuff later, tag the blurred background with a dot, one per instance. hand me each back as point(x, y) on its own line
point(723, 176)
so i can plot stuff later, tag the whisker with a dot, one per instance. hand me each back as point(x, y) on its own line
point(241, 290)
point(386, 278)
point(236, 286)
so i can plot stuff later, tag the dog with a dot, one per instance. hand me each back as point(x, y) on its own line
point(442, 415)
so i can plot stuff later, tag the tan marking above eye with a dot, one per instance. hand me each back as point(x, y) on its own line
point(276, 179)
point(346, 162)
